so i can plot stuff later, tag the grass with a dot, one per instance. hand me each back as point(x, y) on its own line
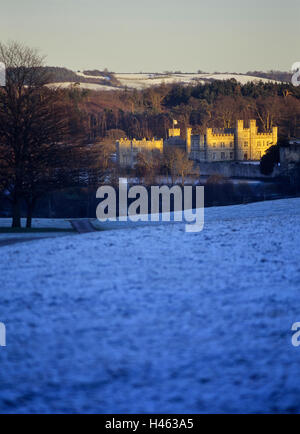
point(7, 230)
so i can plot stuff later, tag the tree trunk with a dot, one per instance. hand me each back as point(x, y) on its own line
point(29, 218)
point(172, 177)
point(16, 212)
point(30, 209)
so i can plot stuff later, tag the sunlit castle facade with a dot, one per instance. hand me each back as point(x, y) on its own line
point(234, 144)
point(127, 150)
point(175, 140)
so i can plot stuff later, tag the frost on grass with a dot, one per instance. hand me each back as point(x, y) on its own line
point(156, 319)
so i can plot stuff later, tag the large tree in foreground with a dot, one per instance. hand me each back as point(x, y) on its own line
point(33, 127)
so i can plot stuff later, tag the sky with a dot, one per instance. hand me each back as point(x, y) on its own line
point(157, 35)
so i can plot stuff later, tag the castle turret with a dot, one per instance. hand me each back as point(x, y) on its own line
point(188, 140)
point(239, 125)
point(253, 127)
point(238, 138)
point(252, 139)
point(274, 135)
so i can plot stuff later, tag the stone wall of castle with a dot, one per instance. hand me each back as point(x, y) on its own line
point(231, 169)
point(236, 144)
point(127, 149)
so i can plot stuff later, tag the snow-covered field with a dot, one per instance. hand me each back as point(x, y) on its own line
point(40, 223)
point(154, 319)
point(89, 86)
point(142, 81)
point(61, 224)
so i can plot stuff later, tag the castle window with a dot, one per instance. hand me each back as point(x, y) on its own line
point(246, 144)
point(222, 155)
point(231, 144)
point(231, 155)
point(258, 143)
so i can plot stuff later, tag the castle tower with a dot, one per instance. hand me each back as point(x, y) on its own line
point(253, 127)
point(188, 140)
point(240, 126)
point(253, 135)
point(238, 138)
point(274, 135)
point(209, 132)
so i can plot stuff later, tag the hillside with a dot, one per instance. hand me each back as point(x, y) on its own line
point(99, 80)
point(140, 81)
point(154, 319)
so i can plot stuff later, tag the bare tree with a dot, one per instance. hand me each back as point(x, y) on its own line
point(184, 166)
point(178, 163)
point(148, 166)
point(33, 127)
point(225, 111)
point(170, 162)
point(268, 111)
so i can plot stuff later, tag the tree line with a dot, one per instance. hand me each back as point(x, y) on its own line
point(149, 112)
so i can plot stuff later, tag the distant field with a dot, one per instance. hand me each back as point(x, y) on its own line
point(142, 81)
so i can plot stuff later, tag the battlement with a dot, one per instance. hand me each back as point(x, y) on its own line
point(235, 144)
point(144, 143)
point(218, 144)
point(219, 135)
point(127, 149)
point(174, 132)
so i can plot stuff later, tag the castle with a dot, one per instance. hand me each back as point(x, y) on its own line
point(234, 144)
point(127, 150)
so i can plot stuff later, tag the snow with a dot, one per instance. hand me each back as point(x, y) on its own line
point(102, 77)
point(40, 223)
point(36, 223)
point(241, 78)
point(144, 80)
point(89, 86)
point(154, 319)
point(140, 81)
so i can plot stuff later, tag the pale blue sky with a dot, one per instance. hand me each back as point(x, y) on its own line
point(157, 35)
